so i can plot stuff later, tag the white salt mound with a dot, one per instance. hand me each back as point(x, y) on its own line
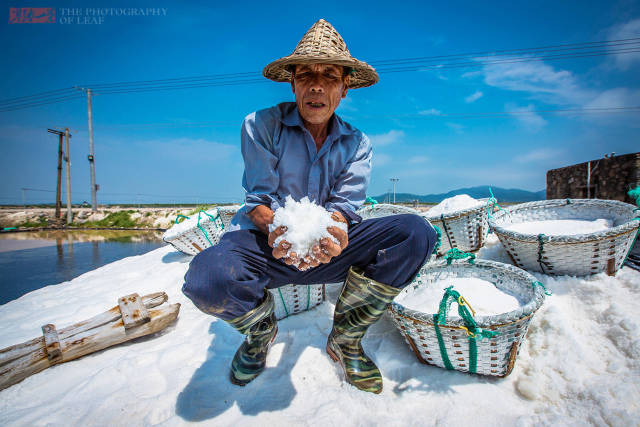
point(455, 203)
point(559, 227)
point(187, 224)
point(306, 225)
point(483, 296)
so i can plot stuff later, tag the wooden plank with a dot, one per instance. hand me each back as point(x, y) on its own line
point(15, 351)
point(85, 343)
point(133, 311)
point(51, 342)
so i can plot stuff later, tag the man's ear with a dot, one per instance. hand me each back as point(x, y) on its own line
point(346, 86)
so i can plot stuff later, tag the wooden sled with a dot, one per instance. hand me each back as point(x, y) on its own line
point(132, 318)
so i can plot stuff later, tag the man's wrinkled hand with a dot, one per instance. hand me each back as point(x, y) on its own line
point(283, 247)
point(327, 248)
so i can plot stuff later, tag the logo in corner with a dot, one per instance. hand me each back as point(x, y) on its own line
point(32, 15)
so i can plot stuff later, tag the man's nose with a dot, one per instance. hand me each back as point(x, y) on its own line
point(316, 84)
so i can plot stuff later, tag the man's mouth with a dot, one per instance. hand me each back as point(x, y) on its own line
point(314, 104)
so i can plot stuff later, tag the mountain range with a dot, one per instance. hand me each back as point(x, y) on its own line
point(480, 192)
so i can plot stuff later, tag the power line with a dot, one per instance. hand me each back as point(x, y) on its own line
point(476, 59)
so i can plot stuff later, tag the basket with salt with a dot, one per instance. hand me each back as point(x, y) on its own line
point(486, 342)
point(195, 234)
point(377, 210)
point(462, 222)
point(568, 236)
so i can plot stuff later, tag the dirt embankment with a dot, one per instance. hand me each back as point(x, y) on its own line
point(111, 217)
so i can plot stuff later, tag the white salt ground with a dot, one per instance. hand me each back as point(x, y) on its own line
point(306, 225)
point(579, 365)
point(485, 298)
point(455, 203)
point(560, 227)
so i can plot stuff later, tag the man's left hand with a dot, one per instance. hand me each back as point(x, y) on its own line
point(327, 248)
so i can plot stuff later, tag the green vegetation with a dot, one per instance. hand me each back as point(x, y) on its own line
point(41, 222)
point(199, 208)
point(114, 219)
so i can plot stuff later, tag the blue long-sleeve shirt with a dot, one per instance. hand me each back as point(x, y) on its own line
point(281, 159)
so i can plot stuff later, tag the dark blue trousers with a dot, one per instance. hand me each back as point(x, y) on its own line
point(228, 280)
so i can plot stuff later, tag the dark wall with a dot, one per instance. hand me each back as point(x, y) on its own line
point(610, 179)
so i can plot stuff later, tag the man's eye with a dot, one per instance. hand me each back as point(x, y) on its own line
point(331, 76)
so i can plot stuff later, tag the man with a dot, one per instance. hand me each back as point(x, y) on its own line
point(304, 149)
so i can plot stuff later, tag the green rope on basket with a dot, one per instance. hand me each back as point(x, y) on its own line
point(181, 216)
point(546, 292)
point(371, 201)
point(473, 331)
point(494, 203)
point(569, 201)
point(284, 304)
point(206, 236)
point(439, 241)
point(308, 296)
point(634, 194)
point(455, 253)
point(541, 237)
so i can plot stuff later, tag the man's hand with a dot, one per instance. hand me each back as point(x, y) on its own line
point(283, 247)
point(328, 249)
point(261, 216)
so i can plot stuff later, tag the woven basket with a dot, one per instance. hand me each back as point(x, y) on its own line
point(382, 209)
point(205, 232)
point(575, 255)
point(289, 299)
point(464, 229)
point(456, 349)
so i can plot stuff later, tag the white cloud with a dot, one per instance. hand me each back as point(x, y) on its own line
point(623, 31)
point(525, 115)
point(430, 112)
point(391, 137)
point(418, 159)
point(539, 155)
point(618, 97)
point(381, 159)
point(473, 97)
point(540, 80)
point(455, 127)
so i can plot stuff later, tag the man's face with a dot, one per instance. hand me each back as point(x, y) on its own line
point(318, 89)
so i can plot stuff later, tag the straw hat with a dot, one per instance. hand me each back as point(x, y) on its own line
point(322, 45)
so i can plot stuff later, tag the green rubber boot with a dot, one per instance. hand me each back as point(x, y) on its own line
point(259, 325)
point(361, 304)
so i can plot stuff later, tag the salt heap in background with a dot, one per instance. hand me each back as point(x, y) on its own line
point(455, 203)
point(306, 225)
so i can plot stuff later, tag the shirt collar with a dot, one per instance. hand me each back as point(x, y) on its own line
point(336, 125)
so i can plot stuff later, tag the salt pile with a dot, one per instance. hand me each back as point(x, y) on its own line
point(306, 225)
point(455, 203)
point(483, 296)
point(560, 227)
point(187, 224)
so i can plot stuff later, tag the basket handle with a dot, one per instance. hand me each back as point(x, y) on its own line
point(181, 216)
point(473, 331)
point(455, 253)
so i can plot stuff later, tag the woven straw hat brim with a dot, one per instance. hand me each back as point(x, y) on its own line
point(363, 74)
point(322, 44)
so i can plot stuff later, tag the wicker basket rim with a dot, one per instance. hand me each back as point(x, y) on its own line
point(456, 213)
point(565, 238)
point(188, 230)
point(482, 321)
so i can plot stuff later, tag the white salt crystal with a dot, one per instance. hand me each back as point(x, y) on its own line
point(561, 226)
point(455, 203)
point(485, 298)
point(306, 225)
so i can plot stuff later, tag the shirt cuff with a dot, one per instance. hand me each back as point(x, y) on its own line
point(348, 214)
point(254, 200)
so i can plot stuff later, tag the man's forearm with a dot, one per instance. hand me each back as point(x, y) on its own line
point(261, 216)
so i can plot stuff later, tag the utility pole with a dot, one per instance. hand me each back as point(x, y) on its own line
point(94, 203)
point(394, 180)
point(91, 157)
point(68, 164)
point(58, 201)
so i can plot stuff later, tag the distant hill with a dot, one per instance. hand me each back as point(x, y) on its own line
point(502, 194)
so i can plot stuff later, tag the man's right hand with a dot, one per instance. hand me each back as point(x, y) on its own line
point(283, 247)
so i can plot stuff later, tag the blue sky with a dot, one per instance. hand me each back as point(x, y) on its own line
point(173, 145)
